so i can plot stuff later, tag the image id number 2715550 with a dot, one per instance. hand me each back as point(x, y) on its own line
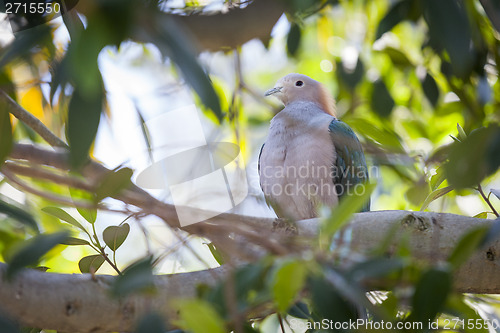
point(32, 8)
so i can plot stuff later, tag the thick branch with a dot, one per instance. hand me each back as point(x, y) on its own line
point(81, 303)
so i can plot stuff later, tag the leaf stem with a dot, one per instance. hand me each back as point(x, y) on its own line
point(487, 200)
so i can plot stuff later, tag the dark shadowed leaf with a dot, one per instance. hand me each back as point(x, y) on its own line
point(24, 42)
point(492, 9)
point(467, 245)
point(449, 30)
point(151, 323)
point(18, 214)
point(293, 39)
point(495, 192)
point(461, 133)
point(74, 241)
point(5, 132)
point(173, 42)
point(64, 216)
point(436, 282)
point(382, 102)
point(397, 57)
point(115, 236)
point(431, 89)
point(435, 195)
point(8, 326)
point(375, 268)
point(33, 250)
point(475, 158)
point(138, 277)
point(84, 115)
point(300, 310)
point(91, 263)
point(400, 11)
point(113, 183)
point(351, 78)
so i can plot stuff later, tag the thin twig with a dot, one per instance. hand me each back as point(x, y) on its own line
point(34, 123)
point(480, 189)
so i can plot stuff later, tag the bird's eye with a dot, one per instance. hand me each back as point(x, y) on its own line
point(299, 83)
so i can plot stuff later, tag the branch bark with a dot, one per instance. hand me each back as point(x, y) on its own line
point(81, 302)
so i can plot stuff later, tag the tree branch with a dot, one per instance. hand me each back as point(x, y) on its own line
point(82, 303)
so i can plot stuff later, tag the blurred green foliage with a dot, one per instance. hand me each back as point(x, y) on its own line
point(416, 79)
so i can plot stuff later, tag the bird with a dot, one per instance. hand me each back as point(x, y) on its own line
point(310, 157)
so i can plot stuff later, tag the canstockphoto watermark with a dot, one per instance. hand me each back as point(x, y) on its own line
point(203, 179)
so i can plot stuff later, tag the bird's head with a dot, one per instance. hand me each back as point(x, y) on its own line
point(299, 87)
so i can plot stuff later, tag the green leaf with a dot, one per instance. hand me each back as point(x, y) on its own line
point(284, 287)
point(351, 78)
point(5, 132)
point(375, 268)
point(91, 263)
point(400, 11)
point(64, 216)
point(436, 282)
point(397, 57)
point(431, 90)
point(24, 43)
point(449, 29)
point(115, 236)
point(475, 158)
point(438, 178)
point(74, 241)
point(151, 323)
point(19, 215)
point(481, 215)
point(418, 192)
point(84, 114)
point(198, 316)
point(382, 102)
point(33, 250)
point(461, 133)
point(435, 195)
point(113, 183)
point(385, 138)
point(293, 39)
point(348, 206)
point(216, 253)
point(138, 277)
point(468, 244)
point(8, 326)
point(88, 214)
point(173, 42)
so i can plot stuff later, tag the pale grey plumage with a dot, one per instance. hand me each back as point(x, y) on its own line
point(297, 161)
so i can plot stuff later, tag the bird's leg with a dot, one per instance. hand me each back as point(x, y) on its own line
point(285, 225)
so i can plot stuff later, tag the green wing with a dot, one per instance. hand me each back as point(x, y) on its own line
point(350, 167)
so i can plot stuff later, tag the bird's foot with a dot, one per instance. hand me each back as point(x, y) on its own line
point(286, 226)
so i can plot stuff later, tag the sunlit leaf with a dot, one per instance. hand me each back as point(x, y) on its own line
point(347, 207)
point(216, 253)
point(293, 39)
point(435, 195)
point(115, 236)
point(33, 250)
point(64, 216)
point(18, 214)
point(481, 215)
point(113, 183)
point(137, 277)
point(284, 288)
point(198, 316)
point(5, 132)
point(90, 264)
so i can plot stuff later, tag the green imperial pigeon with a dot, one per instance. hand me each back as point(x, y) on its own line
point(310, 157)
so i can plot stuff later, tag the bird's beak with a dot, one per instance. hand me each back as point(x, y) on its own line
point(273, 91)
